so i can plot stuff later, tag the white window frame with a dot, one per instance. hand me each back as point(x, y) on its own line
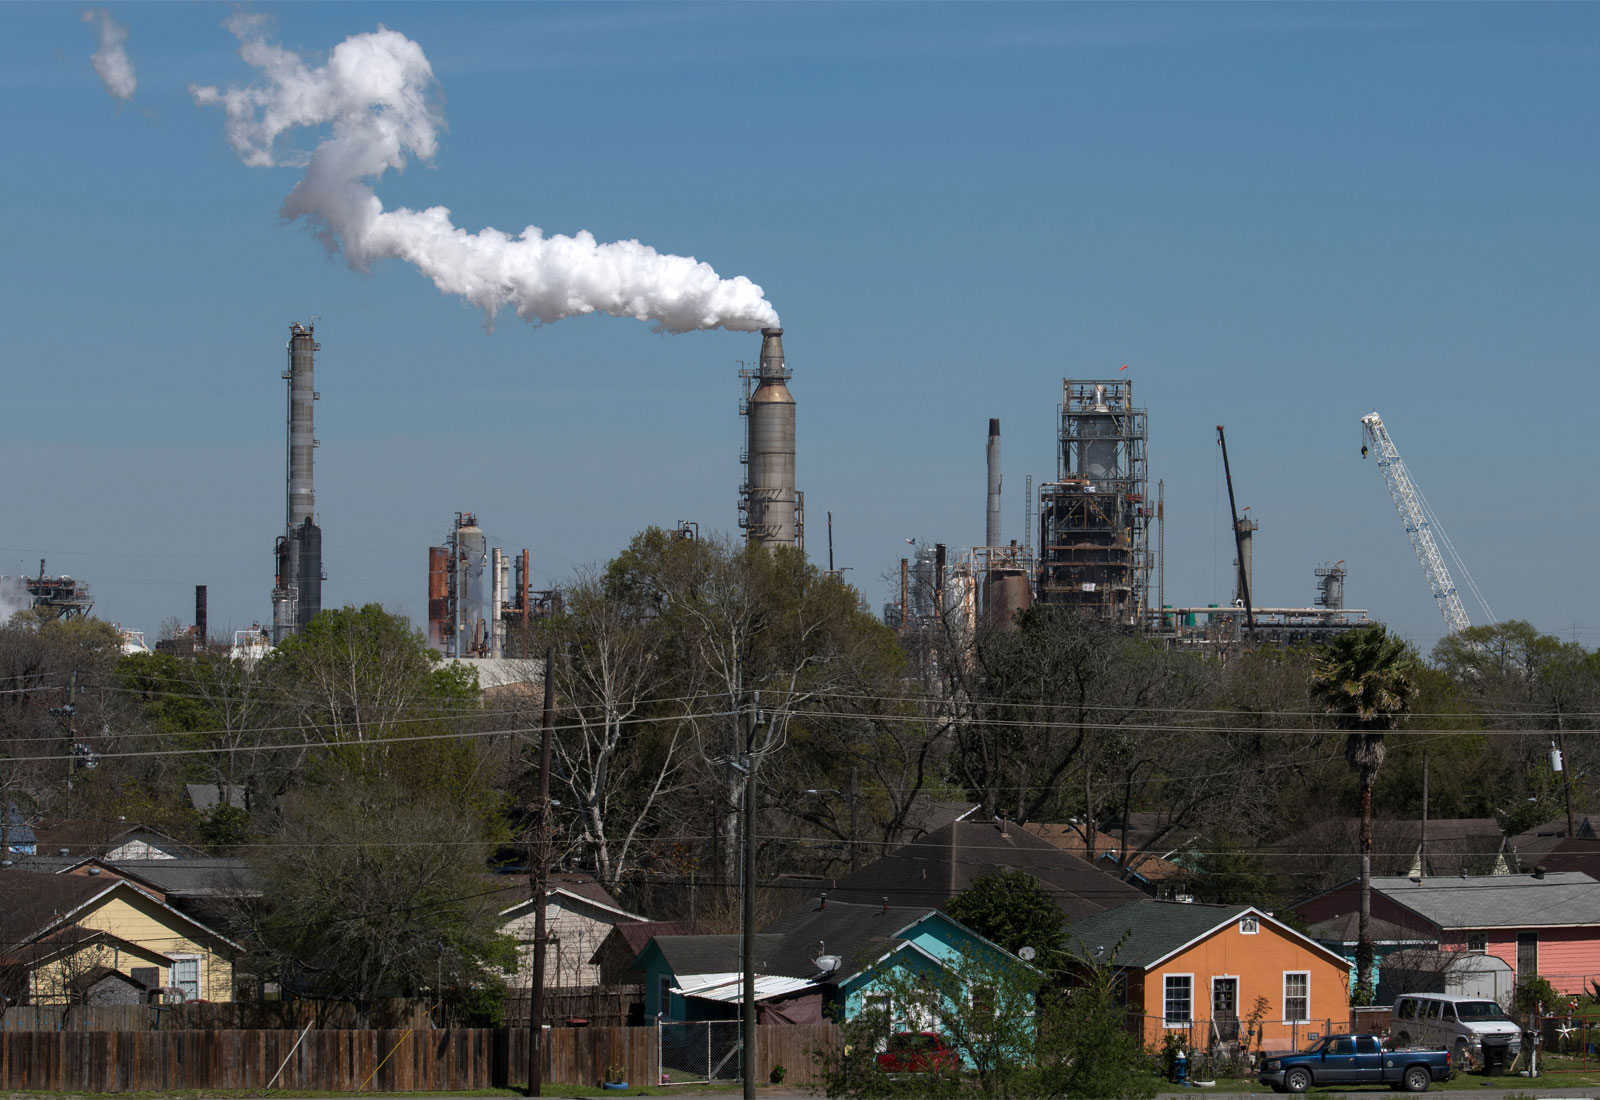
point(1249, 926)
point(1167, 1021)
point(199, 976)
point(664, 994)
point(1287, 1018)
point(1482, 946)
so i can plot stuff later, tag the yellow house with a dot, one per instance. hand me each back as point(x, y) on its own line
point(76, 939)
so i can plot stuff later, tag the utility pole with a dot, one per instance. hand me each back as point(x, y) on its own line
point(748, 1021)
point(538, 874)
point(855, 859)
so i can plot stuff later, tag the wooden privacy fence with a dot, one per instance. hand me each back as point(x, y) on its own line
point(213, 1016)
point(334, 1061)
point(391, 1060)
point(599, 1006)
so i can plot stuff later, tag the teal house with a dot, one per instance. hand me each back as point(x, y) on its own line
point(825, 960)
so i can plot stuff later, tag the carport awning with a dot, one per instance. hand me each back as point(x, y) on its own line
point(729, 988)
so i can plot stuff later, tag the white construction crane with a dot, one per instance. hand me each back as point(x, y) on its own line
point(1421, 525)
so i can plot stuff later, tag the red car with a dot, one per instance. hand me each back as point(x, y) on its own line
point(918, 1052)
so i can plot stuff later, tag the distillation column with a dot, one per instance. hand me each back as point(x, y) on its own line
point(297, 592)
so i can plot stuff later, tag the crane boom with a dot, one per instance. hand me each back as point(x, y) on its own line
point(1414, 514)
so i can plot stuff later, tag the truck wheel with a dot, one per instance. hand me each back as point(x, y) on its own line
point(1417, 1078)
point(1297, 1080)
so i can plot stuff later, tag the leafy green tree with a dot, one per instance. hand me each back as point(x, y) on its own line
point(1012, 909)
point(376, 889)
point(1365, 680)
point(1085, 1048)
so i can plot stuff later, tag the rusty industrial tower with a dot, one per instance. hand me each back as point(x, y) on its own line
point(1094, 518)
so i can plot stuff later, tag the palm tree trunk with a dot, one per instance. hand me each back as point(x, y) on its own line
point(1364, 990)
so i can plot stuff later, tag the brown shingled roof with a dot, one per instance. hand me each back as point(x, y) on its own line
point(932, 869)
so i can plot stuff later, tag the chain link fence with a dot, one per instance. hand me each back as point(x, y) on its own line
point(699, 1050)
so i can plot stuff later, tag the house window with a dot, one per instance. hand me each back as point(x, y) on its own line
point(664, 997)
point(186, 976)
point(1478, 942)
point(1179, 999)
point(1297, 996)
point(1249, 926)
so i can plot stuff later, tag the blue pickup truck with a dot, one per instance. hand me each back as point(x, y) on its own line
point(1355, 1060)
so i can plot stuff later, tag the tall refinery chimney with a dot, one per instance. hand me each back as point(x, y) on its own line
point(991, 535)
point(772, 508)
point(297, 593)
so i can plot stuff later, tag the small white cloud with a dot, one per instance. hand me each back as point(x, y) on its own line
point(111, 61)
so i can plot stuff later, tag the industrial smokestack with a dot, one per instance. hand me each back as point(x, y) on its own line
point(200, 616)
point(771, 505)
point(297, 593)
point(992, 529)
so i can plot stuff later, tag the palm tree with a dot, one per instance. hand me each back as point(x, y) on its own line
point(1365, 680)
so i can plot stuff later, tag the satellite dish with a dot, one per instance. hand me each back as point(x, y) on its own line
point(1026, 954)
point(827, 964)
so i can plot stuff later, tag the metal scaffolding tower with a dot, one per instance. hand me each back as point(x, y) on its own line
point(1094, 518)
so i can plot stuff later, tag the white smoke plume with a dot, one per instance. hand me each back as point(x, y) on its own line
point(375, 95)
point(111, 61)
point(13, 598)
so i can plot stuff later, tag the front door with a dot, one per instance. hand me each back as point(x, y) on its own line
point(1225, 1008)
point(1527, 955)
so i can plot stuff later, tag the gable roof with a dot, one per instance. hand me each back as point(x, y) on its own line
point(713, 954)
point(634, 936)
point(85, 838)
point(1158, 930)
point(929, 871)
point(851, 930)
point(1346, 929)
point(212, 876)
point(1071, 838)
point(33, 904)
point(1560, 898)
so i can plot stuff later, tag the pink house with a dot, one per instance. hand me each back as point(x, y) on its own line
point(1541, 923)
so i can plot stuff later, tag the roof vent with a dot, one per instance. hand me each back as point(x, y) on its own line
point(94, 870)
point(1538, 872)
point(886, 903)
point(822, 900)
point(65, 851)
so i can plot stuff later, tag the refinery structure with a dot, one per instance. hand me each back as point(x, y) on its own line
point(297, 584)
point(1092, 540)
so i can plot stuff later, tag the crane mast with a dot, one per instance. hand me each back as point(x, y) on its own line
point(1414, 514)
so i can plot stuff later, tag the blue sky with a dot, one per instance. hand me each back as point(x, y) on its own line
point(1281, 216)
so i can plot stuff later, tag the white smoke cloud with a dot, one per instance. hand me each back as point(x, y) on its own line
point(375, 94)
point(13, 598)
point(111, 61)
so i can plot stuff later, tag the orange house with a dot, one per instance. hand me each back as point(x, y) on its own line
point(1217, 974)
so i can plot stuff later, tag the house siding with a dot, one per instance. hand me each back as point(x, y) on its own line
point(576, 932)
point(1259, 962)
point(142, 922)
point(1568, 957)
